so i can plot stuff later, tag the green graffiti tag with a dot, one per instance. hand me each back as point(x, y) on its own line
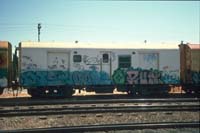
point(119, 76)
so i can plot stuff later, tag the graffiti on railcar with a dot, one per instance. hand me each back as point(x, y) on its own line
point(171, 76)
point(149, 60)
point(119, 76)
point(138, 76)
point(27, 63)
point(3, 82)
point(78, 66)
point(57, 61)
point(94, 77)
point(143, 76)
point(3, 69)
point(195, 77)
point(90, 78)
point(91, 60)
point(93, 67)
point(34, 78)
point(43, 78)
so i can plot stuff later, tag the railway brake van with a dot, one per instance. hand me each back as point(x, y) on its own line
point(56, 69)
point(5, 65)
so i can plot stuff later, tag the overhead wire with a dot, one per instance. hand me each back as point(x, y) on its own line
point(57, 28)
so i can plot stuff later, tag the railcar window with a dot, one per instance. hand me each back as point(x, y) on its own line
point(105, 58)
point(77, 58)
point(124, 61)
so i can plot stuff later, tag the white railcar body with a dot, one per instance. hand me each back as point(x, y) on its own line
point(78, 64)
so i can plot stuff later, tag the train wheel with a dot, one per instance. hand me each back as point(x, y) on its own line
point(33, 93)
point(1, 91)
point(131, 91)
point(68, 91)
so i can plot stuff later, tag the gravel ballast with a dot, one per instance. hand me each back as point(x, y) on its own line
point(27, 122)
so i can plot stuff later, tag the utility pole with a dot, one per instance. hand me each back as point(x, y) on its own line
point(39, 27)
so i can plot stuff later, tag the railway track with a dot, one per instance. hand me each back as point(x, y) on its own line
point(96, 109)
point(31, 102)
point(108, 127)
point(159, 108)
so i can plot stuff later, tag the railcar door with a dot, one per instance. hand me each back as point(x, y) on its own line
point(106, 62)
point(149, 62)
point(58, 68)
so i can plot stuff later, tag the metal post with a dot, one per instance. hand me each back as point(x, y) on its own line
point(39, 27)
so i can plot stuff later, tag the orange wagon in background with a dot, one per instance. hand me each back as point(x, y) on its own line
point(190, 67)
point(5, 65)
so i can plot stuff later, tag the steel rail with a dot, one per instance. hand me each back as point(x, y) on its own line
point(109, 127)
point(31, 102)
point(114, 109)
point(98, 107)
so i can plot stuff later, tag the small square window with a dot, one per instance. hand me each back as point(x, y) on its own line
point(105, 58)
point(124, 61)
point(77, 58)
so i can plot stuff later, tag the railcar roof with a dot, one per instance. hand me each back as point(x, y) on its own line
point(4, 44)
point(194, 46)
point(99, 45)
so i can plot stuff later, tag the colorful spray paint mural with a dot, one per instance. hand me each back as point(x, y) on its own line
point(93, 77)
point(3, 68)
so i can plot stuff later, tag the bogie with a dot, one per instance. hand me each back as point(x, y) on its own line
point(1, 90)
point(51, 91)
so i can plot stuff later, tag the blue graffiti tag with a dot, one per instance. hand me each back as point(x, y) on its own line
point(44, 78)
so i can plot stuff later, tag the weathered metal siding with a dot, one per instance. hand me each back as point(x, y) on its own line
point(195, 66)
point(5, 64)
point(190, 64)
point(9, 64)
point(195, 60)
point(182, 49)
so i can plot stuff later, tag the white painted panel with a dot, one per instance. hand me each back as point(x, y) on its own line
point(148, 60)
point(57, 61)
point(169, 60)
point(32, 59)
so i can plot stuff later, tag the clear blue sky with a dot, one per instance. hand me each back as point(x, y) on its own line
point(100, 21)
